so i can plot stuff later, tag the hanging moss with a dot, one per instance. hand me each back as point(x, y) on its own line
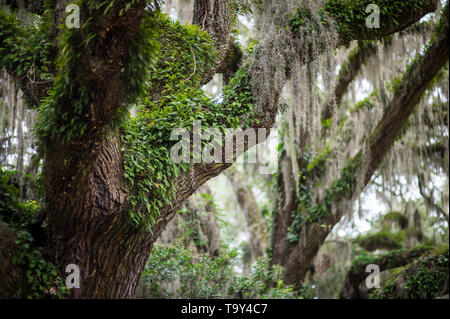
point(311, 212)
point(63, 112)
point(368, 102)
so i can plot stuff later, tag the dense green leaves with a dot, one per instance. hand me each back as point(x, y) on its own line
point(200, 276)
point(42, 278)
point(25, 50)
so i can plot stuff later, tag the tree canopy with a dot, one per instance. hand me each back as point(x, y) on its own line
point(95, 96)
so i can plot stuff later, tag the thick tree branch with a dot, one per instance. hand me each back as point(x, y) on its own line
point(256, 223)
point(390, 260)
point(347, 73)
point(355, 61)
point(407, 94)
point(216, 17)
point(266, 109)
point(424, 278)
point(429, 198)
point(339, 11)
point(395, 16)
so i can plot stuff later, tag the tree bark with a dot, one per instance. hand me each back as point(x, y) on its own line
point(393, 259)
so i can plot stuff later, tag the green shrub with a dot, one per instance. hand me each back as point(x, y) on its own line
point(175, 272)
point(41, 278)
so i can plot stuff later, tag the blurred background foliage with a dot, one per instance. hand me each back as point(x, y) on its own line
point(218, 245)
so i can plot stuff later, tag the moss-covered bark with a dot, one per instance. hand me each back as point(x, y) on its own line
point(380, 240)
point(256, 224)
point(392, 259)
point(425, 278)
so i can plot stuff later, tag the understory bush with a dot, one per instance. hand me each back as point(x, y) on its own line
point(176, 272)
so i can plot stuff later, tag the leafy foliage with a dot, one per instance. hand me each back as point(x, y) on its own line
point(174, 272)
point(381, 240)
point(425, 278)
point(41, 277)
point(25, 50)
point(174, 100)
point(428, 275)
point(311, 212)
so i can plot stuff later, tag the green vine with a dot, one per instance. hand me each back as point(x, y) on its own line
point(174, 100)
point(41, 277)
point(310, 212)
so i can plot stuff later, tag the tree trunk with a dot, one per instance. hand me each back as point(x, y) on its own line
point(256, 223)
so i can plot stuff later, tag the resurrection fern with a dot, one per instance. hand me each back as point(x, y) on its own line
point(63, 111)
point(175, 100)
point(428, 275)
point(350, 16)
point(41, 277)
